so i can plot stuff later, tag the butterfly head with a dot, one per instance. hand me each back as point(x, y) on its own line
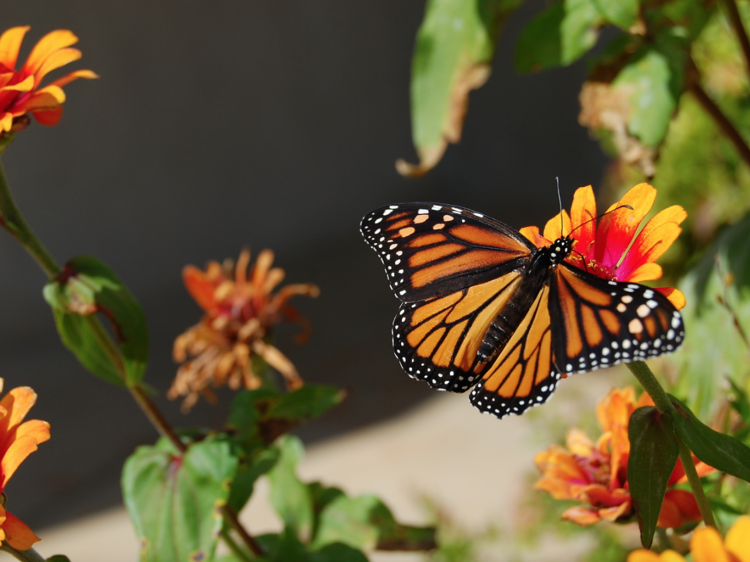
point(560, 249)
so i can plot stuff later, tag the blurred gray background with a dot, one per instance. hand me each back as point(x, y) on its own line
point(242, 122)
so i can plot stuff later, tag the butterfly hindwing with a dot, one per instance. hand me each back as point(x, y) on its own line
point(437, 340)
point(523, 374)
point(432, 249)
point(599, 323)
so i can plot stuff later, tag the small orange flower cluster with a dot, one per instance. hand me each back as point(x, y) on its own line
point(706, 545)
point(611, 249)
point(240, 311)
point(20, 94)
point(595, 473)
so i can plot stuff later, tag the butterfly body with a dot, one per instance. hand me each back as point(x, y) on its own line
point(482, 307)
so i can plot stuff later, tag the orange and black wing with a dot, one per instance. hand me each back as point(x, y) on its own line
point(599, 323)
point(437, 340)
point(433, 250)
point(523, 374)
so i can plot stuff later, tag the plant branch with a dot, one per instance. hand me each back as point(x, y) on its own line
point(156, 418)
point(721, 120)
point(234, 547)
point(29, 555)
point(12, 220)
point(230, 516)
point(664, 405)
point(735, 20)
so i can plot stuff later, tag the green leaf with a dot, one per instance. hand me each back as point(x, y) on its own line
point(622, 13)
point(653, 455)
point(455, 45)
point(58, 558)
point(291, 498)
point(307, 402)
point(365, 522)
point(718, 450)
point(86, 287)
point(174, 500)
point(337, 552)
point(250, 469)
point(558, 36)
point(646, 81)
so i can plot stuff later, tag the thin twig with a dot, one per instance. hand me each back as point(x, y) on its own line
point(231, 517)
point(735, 20)
point(722, 121)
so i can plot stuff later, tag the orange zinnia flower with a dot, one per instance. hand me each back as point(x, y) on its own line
point(611, 249)
point(17, 441)
point(19, 89)
point(597, 473)
point(240, 312)
point(706, 545)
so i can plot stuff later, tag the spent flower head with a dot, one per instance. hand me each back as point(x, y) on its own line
point(595, 473)
point(20, 92)
point(614, 249)
point(241, 310)
point(17, 441)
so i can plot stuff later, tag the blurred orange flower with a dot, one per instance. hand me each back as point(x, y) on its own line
point(19, 89)
point(596, 473)
point(241, 311)
point(706, 545)
point(611, 249)
point(17, 441)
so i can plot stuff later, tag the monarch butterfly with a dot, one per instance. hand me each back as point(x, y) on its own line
point(482, 307)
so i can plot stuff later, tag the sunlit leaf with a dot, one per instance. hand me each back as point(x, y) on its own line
point(455, 45)
point(291, 498)
point(174, 500)
point(87, 287)
point(622, 13)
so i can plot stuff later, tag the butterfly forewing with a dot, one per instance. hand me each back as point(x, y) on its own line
point(599, 323)
point(437, 340)
point(431, 249)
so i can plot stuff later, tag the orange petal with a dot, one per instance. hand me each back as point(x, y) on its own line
point(47, 45)
point(24, 86)
point(706, 545)
point(583, 219)
point(21, 448)
point(6, 122)
point(651, 243)
point(10, 45)
point(40, 101)
point(675, 296)
point(614, 513)
point(534, 236)
point(579, 443)
point(738, 539)
point(552, 229)
point(583, 516)
point(55, 61)
point(48, 118)
point(17, 533)
point(17, 402)
point(617, 229)
point(643, 555)
point(199, 287)
point(646, 272)
point(68, 78)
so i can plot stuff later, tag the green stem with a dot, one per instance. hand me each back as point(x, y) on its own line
point(231, 517)
point(29, 555)
point(12, 220)
point(156, 418)
point(664, 405)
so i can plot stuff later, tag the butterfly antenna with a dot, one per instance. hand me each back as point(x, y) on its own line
point(559, 199)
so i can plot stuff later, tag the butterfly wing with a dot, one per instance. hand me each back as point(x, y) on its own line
point(523, 374)
point(599, 323)
point(433, 250)
point(437, 340)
